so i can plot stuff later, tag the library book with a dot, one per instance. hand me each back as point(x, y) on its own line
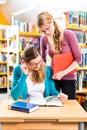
point(23, 106)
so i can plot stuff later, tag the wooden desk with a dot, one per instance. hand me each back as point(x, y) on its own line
point(70, 117)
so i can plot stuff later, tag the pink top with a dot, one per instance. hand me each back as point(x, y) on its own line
point(69, 44)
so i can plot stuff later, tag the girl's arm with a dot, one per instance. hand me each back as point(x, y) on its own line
point(74, 47)
point(59, 75)
point(18, 83)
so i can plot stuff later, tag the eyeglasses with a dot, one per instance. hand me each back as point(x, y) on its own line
point(47, 28)
point(35, 64)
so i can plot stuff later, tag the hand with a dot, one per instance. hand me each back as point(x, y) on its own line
point(59, 75)
point(63, 97)
point(24, 68)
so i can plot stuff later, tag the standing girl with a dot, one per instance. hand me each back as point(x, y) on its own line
point(57, 41)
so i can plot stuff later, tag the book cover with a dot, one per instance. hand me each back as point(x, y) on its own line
point(62, 61)
point(23, 106)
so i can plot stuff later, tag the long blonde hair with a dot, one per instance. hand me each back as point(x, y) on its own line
point(30, 53)
point(38, 76)
point(46, 18)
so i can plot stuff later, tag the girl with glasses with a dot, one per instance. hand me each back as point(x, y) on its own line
point(57, 40)
point(33, 79)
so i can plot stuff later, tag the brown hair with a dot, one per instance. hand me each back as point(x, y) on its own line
point(47, 18)
point(30, 53)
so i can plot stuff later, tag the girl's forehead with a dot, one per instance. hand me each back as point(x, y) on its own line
point(36, 59)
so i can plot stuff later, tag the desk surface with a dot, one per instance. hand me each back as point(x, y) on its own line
point(71, 111)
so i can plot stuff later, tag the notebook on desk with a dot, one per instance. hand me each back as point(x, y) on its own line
point(62, 61)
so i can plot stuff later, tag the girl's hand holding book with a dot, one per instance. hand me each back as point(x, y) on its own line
point(63, 97)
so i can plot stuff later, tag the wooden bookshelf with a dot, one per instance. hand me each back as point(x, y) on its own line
point(76, 27)
point(29, 34)
point(84, 90)
point(84, 68)
point(83, 45)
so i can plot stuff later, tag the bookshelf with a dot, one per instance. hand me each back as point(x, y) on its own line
point(81, 71)
point(3, 74)
point(81, 33)
point(3, 58)
point(28, 32)
point(77, 22)
point(8, 52)
point(28, 35)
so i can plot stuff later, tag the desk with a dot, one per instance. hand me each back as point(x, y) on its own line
point(68, 117)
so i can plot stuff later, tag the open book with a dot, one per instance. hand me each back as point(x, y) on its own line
point(48, 101)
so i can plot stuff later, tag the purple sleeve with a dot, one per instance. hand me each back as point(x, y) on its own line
point(43, 48)
point(74, 46)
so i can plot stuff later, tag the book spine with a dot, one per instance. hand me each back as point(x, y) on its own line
point(23, 110)
point(18, 109)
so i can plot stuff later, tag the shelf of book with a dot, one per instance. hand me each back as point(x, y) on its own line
point(81, 92)
point(81, 96)
point(3, 73)
point(3, 85)
point(3, 59)
point(81, 33)
point(81, 80)
point(8, 53)
point(28, 38)
point(84, 90)
point(76, 21)
point(84, 68)
point(3, 62)
point(3, 39)
point(83, 45)
point(76, 27)
point(29, 34)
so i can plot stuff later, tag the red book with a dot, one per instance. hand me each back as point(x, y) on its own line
point(62, 61)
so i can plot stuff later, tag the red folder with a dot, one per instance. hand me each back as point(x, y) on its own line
point(62, 61)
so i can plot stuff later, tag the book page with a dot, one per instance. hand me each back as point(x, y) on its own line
point(39, 101)
point(53, 101)
point(48, 101)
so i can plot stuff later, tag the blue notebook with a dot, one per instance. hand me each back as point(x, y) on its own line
point(23, 106)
